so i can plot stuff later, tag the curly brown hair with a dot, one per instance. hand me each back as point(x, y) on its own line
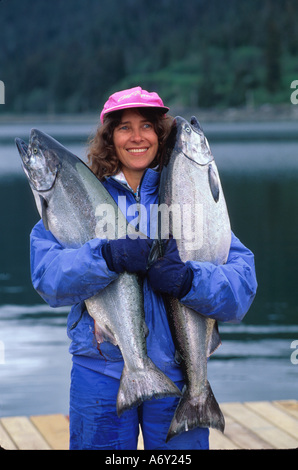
point(101, 153)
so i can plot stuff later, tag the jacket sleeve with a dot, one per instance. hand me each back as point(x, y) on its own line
point(65, 276)
point(225, 292)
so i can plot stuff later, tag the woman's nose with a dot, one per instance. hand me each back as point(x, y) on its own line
point(136, 135)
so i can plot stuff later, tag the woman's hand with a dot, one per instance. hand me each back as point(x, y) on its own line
point(127, 254)
point(168, 274)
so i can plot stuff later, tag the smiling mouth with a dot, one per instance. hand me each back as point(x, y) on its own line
point(141, 150)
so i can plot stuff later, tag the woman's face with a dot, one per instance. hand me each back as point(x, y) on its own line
point(135, 141)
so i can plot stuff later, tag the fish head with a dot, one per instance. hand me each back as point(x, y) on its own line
point(39, 160)
point(188, 138)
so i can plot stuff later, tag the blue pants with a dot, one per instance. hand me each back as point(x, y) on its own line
point(94, 423)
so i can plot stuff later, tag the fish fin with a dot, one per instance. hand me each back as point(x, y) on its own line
point(44, 205)
point(145, 329)
point(214, 341)
point(213, 183)
point(195, 123)
point(103, 333)
point(143, 384)
point(178, 357)
point(192, 412)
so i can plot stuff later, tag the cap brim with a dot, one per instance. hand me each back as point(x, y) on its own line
point(163, 109)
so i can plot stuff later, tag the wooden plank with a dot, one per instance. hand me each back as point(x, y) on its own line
point(5, 441)
point(243, 437)
point(276, 416)
point(24, 433)
point(250, 425)
point(219, 441)
point(290, 406)
point(54, 429)
point(264, 429)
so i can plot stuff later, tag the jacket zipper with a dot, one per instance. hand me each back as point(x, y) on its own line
point(136, 195)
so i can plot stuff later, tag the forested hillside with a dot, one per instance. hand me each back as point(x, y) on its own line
point(69, 55)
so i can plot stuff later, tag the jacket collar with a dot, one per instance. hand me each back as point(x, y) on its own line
point(148, 183)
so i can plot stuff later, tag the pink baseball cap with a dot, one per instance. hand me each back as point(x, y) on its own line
point(132, 98)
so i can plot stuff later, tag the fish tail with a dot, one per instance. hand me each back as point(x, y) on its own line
point(143, 384)
point(199, 411)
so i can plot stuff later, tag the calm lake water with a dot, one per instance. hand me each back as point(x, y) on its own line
point(258, 164)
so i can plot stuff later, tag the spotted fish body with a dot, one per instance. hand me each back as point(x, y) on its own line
point(190, 180)
point(73, 204)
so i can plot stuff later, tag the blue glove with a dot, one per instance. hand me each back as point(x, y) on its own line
point(168, 274)
point(127, 254)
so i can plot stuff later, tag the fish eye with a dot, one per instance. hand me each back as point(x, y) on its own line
point(35, 150)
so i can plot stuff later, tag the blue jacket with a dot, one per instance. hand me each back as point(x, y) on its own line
point(69, 276)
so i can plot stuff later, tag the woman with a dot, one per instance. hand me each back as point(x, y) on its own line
point(125, 155)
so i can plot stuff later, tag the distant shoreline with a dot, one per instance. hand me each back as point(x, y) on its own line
point(264, 113)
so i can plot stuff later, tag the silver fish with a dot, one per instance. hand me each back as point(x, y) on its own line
point(76, 208)
point(199, 221)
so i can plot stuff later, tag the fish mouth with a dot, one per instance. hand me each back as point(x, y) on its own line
point(40, 169)
point(22, 148)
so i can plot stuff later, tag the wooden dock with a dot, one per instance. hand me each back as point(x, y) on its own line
point(250, 425)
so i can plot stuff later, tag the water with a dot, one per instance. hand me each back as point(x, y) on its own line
point(258, 164)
